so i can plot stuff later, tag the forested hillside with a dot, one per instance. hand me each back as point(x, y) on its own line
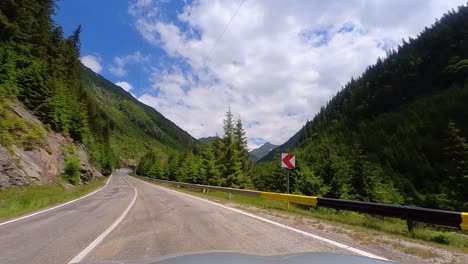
point(402, 124)
point(222, 162)
point(41, 68)
point(263, 150)
point(134, 127)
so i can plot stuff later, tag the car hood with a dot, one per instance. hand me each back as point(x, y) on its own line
point(241, 258)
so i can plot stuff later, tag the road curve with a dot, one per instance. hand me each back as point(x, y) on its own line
point(160, 222)
point(58, 235)
point(163, 222)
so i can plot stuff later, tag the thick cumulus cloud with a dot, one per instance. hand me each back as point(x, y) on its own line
point(277, 63)
point(124, 85)
point(92, 62)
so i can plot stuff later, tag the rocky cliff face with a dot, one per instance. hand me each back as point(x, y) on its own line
point(40, 165)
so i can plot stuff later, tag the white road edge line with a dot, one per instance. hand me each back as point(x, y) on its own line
point(101, 237)
point(55, 207)
point(323, 239)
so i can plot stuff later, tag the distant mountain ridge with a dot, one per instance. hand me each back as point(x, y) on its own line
point(260, 152)
point(206, 139)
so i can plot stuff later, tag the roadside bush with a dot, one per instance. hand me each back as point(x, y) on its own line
point(11, 125)
point(71, 172)
point(441, 238)
point(34, 137)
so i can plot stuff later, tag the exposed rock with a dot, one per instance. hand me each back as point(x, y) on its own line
point(24, 113)
point(10, 174)
point(86, 170)
point(42, 164)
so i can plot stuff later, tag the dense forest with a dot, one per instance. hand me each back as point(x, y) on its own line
point(222, 162)
point(397, 134)
point(41, 68)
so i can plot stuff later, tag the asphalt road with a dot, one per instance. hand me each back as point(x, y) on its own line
point(160, 222)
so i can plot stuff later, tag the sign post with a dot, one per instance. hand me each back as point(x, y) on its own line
point(288, 160)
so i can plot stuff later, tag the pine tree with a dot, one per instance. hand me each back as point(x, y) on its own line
point(219, 155)
point(360, 182)
point(241, 144)
point(234, 154)
point(457, 152)
point(231, 160)
point(171, 168)
point(228, 125)
point(209, 166)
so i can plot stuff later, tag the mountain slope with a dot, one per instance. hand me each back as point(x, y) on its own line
point(282, 148)
point(405, 116)
point(40, 68)
point(134, 127)
point(260, 152)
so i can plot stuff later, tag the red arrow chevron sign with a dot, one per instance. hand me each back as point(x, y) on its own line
point(288, 160)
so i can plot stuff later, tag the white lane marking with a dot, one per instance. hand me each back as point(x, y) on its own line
point(101, 237)
point(326, 240)
point(55, 207)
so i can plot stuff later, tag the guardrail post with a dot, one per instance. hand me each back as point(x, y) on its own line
point(178, 186)
point(286, 204)
point(204, 190)
point(410, 225)
point(230, 196)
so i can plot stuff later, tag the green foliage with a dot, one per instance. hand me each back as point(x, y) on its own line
point(441, 238)
point(8, 72)
point(224, 162)
point(209, 167)
point(71, 171)
point(17, 201)
point(457, 153)
point(132, 128)
point(308, 183)
point(41, 68)
point(269, 177)
point(33, 138)
point(15, 130)
point(11, 124)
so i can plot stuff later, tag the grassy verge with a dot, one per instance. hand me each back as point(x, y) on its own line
point(433, 235)
point(16, 201)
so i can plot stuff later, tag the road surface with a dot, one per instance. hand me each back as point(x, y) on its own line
point(158, 222)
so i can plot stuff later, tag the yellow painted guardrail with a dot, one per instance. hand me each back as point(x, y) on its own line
point(464, 223)
point(409, 213)
point(292, 198)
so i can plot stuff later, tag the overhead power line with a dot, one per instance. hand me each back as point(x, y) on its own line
point(222, 34)
point(207, 57)
point(183, 30)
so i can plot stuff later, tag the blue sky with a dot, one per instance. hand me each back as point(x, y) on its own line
point(277, 63)
point(108, 31)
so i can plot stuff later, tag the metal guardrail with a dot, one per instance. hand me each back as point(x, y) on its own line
point(410, 213)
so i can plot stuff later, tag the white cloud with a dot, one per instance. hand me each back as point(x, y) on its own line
point(278, 62)
point(92, 62)
point(118, 67)
point(124, 85)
